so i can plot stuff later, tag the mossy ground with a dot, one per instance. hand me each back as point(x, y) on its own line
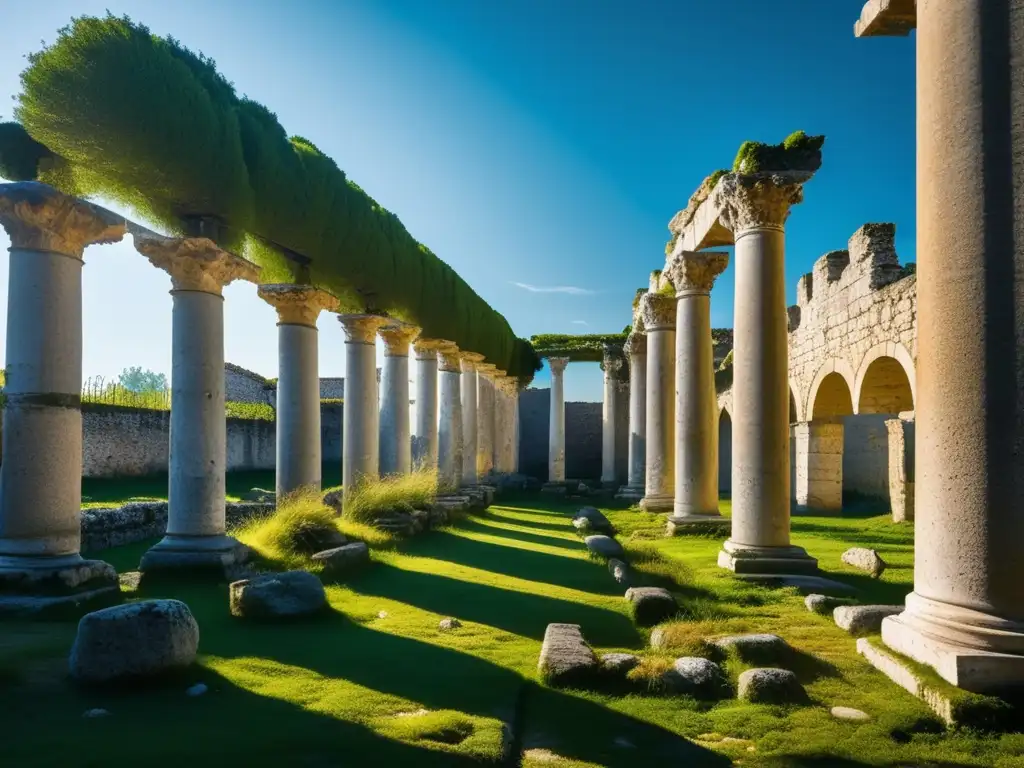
point(377, 683)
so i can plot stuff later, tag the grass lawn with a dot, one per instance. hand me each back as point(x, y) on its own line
point(377, 683)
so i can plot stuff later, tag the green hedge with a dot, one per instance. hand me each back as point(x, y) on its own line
point(582, 348)
point(110, 109)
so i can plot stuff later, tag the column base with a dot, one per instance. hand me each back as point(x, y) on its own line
point(653, 503)
point(681, 524)
point(200, 557)
point(33, 585)
point(630, 493)
point(970, 649)
point(745, 558)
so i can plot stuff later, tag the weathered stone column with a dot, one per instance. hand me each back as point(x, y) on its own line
point(395, 442)
point(485, 415)
point(612, 364)
point(754, 207)
point(360, 446)
point(518, 385)
point(636, 354)
point(298, 386)
point(901, 466)
point(424, 439)
point(556, 421)
point(659, 314)
point(965, 616)
point(818, 450)
point(449, 431)
point(469, 417)
point(696, 438)
point(41, 474)
point(199, 270)
point(503, 436)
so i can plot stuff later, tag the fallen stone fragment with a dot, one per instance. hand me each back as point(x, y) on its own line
point(771, 686)
point(849, 713)
point(651, 605)
point(866, 560)
point(196, 690)
point(582, 526)
point(756, 648)
point(604, 546)
point(137, 640)
point(260, 495)
point(863, 619)
point(696, 677)
point(620, 572)
point(277, 596)
point(340, 561)
point(825, 604)
point(619, 664)
point(449, 624)
point(565, 657)
point(595, 519)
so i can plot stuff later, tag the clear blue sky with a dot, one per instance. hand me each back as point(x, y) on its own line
point(540, 142)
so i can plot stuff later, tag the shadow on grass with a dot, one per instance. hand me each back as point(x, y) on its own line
point(475, 524)
point(872, 591)
point(558, 523)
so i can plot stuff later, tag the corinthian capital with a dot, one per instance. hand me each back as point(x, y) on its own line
point(297, 304)
point(758, 200)
point(696, 271)
point(448, 356)
point(636, 345)
point(194, 263)
point(658, 312)
point(39, 218)
point(397, 338)
point(557, 365)
point(362, 329)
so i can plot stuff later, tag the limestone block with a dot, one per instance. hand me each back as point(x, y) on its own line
point(696, 677)
point(755, 648)
point(565, 657)
point(865, 559)
point(863, 619)
point(277, 596)
point(651, 605)
point(770, 686)
point(619, 664)
point(340, 561)
point(605, 546)
point(824, 605)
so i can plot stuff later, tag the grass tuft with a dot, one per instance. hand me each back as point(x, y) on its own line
point(384, 497)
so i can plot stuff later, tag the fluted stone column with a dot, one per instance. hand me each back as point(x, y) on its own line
point(485, 414)
point(556, 421)
point(469, 417)
point(199, 270)
point(754, 208)
point(659, 315)
point(424, 438)
point(965, 617)
point(360, 442)
point(449, 431)
point(696, 443)
point(613, 364)
point(299, 459)
point(636, 353)
point(40, 478)
point(395, 441)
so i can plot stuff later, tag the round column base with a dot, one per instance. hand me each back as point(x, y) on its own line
point(747, 558)
point(202, 557)
point(682, 524)
point(654, 503)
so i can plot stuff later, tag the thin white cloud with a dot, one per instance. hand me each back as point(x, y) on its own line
point(580, 322)
point(572, 290)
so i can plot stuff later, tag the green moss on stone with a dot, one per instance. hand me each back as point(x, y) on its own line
point(797, 152)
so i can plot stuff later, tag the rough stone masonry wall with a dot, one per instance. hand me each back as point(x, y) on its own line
point(582, 436)
point(242, 386)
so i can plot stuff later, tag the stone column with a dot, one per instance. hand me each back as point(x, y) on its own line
point(636, 353)
point(612, 364)
point(901, 466)
point(696, 438)
point(518, 385)
point(485, 414)
point(395, 442)
point(503, 436)
point(424, 439)
point(965, 616)
point(40, 478)
point(754, 207)
point(659, 314)
point(360, 446)
point(196, 525)
point(298, 385)
point(556, 422)
point(449, 431)
point(469, 417)
point(819, 465)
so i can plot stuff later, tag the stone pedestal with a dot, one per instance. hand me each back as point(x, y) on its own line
point(449, 431)
point(196, 541)
point(659, 315)
point(901, 466)
point(754, 208)
point(486, 410)
point(819, 465)
point(424, 437)
point(613, 364)
point(395, 441)
point(40, 478)
point(636, 354)
point(469, 417)
point(556, 423)
point(696, 443)
point(360, 446)
point(298, 385)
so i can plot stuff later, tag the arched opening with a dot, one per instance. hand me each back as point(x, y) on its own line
point(724, 454)
point(818, 444)
point(833, 398)
point(885, 388)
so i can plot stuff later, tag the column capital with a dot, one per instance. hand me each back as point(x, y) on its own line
point(636, 345)
point(362, 329)
point(487, 370)
point(658, 312)
point(37, 217)
point(612, 360)
point(397, 338)
point(747, 201)
point(470, 360)
point(557, 364)
point(695, 272)
point(426, 349)
point(297, 304)
point(194, 263)
point(448, 357)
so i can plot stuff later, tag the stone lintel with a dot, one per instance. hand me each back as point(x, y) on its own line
point(397, 337)
point(886, 18)
point(448, 358)
point(658, 312)
point(749, 201)
point(194, 263)
point(362, 329)
point(297, 304)
point(38, 217)
point(695, 271)
point(557, 364)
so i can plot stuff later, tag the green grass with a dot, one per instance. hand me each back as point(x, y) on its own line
point(252, 411)
point(377, 683)
point(399, 493)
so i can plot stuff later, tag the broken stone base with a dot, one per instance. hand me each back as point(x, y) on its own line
point(631, 494)
point(680, 525)
point(31, 585)
point(200, 557)
point(652, 503)
point(742, 558)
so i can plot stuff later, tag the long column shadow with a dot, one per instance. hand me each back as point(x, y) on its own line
point(477, 525)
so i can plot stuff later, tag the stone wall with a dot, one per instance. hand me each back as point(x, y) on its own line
point(243, 386)
point(582, 437)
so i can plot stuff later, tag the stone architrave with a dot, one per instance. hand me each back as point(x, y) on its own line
point(199, 270)
point(424, 437)
point(818, 452)
point(613, 364)
point(449, 430)
point(469, 417)
point(360, 441)
point(965, 617)
point(754, 207)
point(40, 477)
point(636, 353)
point(395, 440)
point(298, 386)
point(486, 409)
point(696, 445)
point(659, 315)
point(556, 421)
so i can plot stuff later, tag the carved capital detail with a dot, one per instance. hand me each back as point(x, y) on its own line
point(194, 263)
point(448, 357)
point(612, 360)
point(658, 312)
point(426, 349)
point(362, 329)
point(470, 360)
point(758, 200)
point(39, 218)
point(636, 345)
point(397, 339)
point(297, 304)
point(696, 271)
point(557, 365)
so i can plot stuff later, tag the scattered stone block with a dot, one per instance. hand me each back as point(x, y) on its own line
point(595, 519)
point(137, 640)
point(866, 560)
point(849, 713)
point(277, 596)
point(770, 686)
point(447, 625)
point(696, 677)
point(333, 499)
point(651, 605)
point(759, 648)
point(565, 657)
point(605, 546)
point(341, 561)
point(620, 572)
point(824, 604)
point(618, 665)
point(260, 495)
point(582, 526)
point(196, 690)
point(659, 638)
point(863, 619)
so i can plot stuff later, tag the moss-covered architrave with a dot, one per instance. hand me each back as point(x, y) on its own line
point(583, 348)
point(798, 152)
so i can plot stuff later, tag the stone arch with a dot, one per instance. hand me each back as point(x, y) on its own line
point(886, 380)
point(832, 375)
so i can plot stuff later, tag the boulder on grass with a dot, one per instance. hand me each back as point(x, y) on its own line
point(137, 640)
point(343, 560)
point(759, 648)
point(651, 605)
point(863, 619)
point(277, 596)
point(618, 665)
point(696, 677)
point(770, 686)
point(565, 657)
point(595, 518)
point(866, 560)
point(604, 546)
point(825, 604)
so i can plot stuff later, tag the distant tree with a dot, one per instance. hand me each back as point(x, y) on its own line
point(135, 379)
